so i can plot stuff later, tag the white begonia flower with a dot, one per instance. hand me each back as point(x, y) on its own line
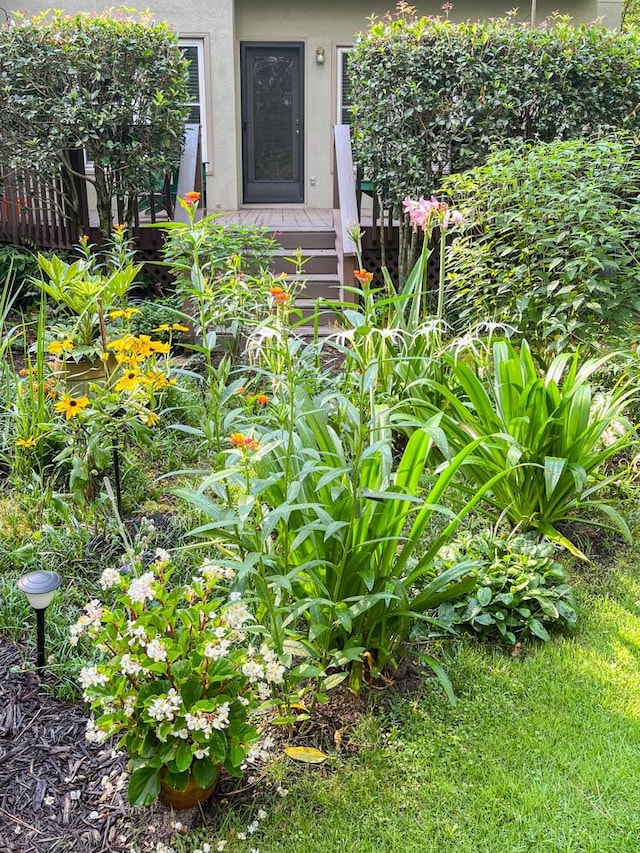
point(156, 650)
point(129, 706)
point(183, 734)
point(90, 677)
point(264, 691)
point(274, 672)
point(197, 722)
point(219, 632)
point(137, 633)
point(253, 670)
point(141, 589)
point(262, 814)
point(163, 557)
point(211, 571)
point(129, 666)
point(201, 753)
point(216, 651)
point(165, 707)
point(221, 720)
point(236, 615)
point(93, 734)
point(110, 577)
point(235, 596)
point(94, 612)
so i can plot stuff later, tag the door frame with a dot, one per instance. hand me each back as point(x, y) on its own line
point(256, 192)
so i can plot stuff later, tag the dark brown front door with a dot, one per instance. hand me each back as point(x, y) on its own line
point(272, 132)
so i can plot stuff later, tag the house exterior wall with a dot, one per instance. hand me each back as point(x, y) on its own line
point(223, 25)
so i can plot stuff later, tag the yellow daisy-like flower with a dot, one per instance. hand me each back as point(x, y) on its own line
point(56, 347)
point(178, 327)
point(127, 313)
point(129, 381)
point(26, 442)
point(152, 419)
point(159, 347)
point(71, 406)
point(163, 327)
point(121, 344)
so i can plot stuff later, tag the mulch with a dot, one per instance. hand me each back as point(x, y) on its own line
point(58, 792)
point(62, 794)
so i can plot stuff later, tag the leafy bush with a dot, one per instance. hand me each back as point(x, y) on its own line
point(553, 249)
point(520, 590)
point(18, 265)
point(433, 96)
point(549, 434)
point(114, 84)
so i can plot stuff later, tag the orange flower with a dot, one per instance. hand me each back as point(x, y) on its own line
point(363, 276)
point(279, 295)
point(191, 198)
point(237, 439)
point(262, 399)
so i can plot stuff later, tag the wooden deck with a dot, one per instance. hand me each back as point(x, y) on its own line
point(290, 218)
point(284, 218)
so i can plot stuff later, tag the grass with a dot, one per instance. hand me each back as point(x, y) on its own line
point(540, 754)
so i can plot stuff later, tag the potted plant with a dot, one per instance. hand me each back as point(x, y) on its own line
point(85, 291)
point(177, 677)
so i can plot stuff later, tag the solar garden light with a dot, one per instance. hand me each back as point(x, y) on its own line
point(39, 588)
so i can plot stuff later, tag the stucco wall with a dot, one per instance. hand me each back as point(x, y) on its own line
point(321, 23)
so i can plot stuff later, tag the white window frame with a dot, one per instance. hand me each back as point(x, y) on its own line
point(342, 52)
point(198, 43)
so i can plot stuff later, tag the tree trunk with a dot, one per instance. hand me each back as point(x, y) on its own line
point(103, 202)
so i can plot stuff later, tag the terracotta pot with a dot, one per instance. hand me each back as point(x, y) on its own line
point(190, 797)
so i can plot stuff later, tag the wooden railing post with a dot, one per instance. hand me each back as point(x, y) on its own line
point(345, 208)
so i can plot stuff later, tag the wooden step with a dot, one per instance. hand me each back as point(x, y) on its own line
point(306, 239)
point(316, 261)
point(318, 286)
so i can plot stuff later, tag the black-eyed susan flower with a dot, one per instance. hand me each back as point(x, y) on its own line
point(129, 381)
point(71, 406)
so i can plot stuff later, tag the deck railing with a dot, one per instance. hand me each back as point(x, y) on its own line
point(345, 208)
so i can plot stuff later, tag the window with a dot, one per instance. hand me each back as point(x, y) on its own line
point(344, 87)
point(193, 50)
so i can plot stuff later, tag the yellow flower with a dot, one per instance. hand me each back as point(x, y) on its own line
point(104, 356)
point(152, 419)
point(163, 327)
point(121, 344)
point(71, 406)
point(26, 442)
point(157, 346)
point(159, 379)
point(129, 381)
point(127, 313)
point(178, 327)
point(56, 347)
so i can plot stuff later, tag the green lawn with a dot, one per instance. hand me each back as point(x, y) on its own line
point(542, 753)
